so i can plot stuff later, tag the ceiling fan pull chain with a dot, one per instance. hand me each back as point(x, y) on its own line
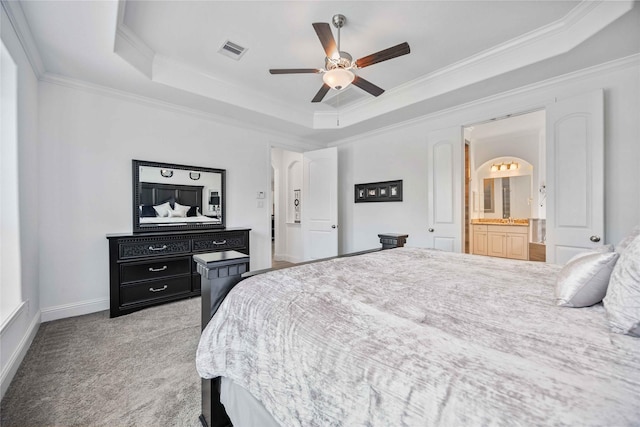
point(338, 103)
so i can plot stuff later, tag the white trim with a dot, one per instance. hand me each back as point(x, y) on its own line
point(18, 355)
point(289, 258)
point(68, 82)
point(589, 72)
point(130, 37)
point(131, 47)
point(12, 317)
point(20, 26)
point(74, 309)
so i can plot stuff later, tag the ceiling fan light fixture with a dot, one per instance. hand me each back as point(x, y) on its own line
point(338, 78)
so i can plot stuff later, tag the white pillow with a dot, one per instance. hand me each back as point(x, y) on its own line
point(584, 279)
point(177, 213)
point(623, 296)
point(627, 240)
point(163, 209)
point(181, 208)
point(600, 249)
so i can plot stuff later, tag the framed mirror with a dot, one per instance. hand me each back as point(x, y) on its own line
point(170, 197)
point(507, 197)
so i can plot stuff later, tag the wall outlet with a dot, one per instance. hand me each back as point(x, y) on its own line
point(260, 204)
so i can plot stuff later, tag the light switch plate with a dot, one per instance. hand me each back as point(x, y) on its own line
point(260, 194)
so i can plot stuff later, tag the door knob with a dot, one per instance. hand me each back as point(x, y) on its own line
point(594, 239)
point(334, 226)
point(431, 230)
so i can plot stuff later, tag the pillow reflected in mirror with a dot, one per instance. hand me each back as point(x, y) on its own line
point(147, 211)
point(163, 209)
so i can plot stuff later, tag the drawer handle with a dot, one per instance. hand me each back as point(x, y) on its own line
point(158, 269)
point(161, 248)
point(215, 242)
point(164, 288)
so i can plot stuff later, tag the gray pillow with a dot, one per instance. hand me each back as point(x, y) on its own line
point(620, 247)
point(622, 302)
point(584, 279)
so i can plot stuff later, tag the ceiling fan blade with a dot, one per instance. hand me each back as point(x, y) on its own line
point(323, 30)
point(384, 55)
point(321, 93)
point(294, 70)
point(367, 86)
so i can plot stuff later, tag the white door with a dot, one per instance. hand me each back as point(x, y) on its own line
point(320, 203)
point(445, 160)
point(575, 176)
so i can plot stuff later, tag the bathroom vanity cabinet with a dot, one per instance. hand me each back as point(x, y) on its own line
point(501, 240)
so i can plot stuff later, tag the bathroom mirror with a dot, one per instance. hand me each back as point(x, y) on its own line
point(171, 197)
point(507, 197)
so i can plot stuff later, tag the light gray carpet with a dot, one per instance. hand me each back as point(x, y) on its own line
point(134, 370)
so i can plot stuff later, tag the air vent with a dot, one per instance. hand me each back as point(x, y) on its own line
point(232, 50)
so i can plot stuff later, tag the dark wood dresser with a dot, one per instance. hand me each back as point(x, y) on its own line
point(147, 269)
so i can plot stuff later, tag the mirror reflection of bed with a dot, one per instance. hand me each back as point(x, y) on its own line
point(172, 196)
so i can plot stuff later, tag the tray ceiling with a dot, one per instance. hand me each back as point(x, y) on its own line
point(168, 50)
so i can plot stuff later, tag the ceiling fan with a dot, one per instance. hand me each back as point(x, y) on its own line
point(340, 66)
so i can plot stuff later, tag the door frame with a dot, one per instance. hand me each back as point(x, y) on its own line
point(469, 206)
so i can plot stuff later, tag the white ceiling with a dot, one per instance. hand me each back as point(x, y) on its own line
point(460, 51)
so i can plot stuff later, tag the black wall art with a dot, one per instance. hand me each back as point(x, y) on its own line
point(388, 191)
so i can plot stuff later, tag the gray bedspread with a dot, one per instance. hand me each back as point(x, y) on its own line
point(418, 337)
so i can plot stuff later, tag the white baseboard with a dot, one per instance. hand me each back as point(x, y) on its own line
point(290, 258)
point(13, 363)
point(74, 309)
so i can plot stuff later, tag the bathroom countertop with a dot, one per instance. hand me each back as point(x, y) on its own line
point(498, 221)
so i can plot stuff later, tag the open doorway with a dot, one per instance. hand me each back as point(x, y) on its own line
point(286, 231)
point(505, 205)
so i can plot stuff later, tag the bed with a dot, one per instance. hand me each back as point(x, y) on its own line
point(417, 337)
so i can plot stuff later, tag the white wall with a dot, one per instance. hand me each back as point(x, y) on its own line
point(16, 334)
point(400, 153)
point(88, 139)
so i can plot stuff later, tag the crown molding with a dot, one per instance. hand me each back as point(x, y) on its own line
point(180, 76)
point(585, 73)
point(23, 32)
point(553, 39)
point(164, 70)
point(131, 47)
point(84, 86)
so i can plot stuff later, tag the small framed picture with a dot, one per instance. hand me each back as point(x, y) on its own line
point(372, 192)
point(394, 190)
point(361, 193)
point(296, 205)
point(383, 191)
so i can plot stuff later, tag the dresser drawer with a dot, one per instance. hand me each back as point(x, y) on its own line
point(220, 242)
point(154, 290)
point(146, 270)
point(144, 248)
point(196, 283)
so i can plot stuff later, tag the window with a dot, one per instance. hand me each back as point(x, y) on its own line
point(10, 283)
